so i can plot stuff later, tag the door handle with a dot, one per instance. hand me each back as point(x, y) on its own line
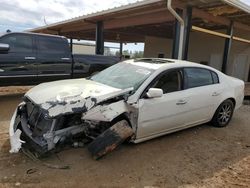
point(65, 58)
point(181, 102)
point(215, 94)
point(30, 58)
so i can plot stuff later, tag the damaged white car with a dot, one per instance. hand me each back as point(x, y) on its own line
point(135, 100)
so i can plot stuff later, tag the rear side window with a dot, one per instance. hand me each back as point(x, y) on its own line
point(18, 43)
point(52, 45)
point(215, 77)
point(196, 77)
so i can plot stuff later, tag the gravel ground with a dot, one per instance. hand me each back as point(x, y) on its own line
point(202, 156)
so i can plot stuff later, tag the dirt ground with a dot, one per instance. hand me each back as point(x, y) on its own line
point(202, 156)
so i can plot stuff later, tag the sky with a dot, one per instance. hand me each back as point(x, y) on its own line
point(19, 15)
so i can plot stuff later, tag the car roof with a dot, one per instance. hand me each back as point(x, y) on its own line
point(30, 33)
point(162, 63)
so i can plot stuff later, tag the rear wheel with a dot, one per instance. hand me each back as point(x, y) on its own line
point(223, 114)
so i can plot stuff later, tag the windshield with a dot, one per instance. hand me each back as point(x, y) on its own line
point(123, 75)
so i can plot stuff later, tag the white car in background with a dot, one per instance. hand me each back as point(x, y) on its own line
point(134, 100)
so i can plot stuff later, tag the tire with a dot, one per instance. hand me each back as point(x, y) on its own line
point(223, 114)
point(110, 139)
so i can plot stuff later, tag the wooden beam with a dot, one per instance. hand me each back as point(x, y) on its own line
point(142, 19)
point(218, 19)
point(78, 27)
point(159, 17)
point(209, 17)
point(195, 28)
point(241, 39)
point(218, 34)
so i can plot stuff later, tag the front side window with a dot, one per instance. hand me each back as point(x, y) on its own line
point(123, 75)
point(168, 82)
point(18, 43)
point(196, 77)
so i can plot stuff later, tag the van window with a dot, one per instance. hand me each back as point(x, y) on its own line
point(18, 43)
point(52, 45)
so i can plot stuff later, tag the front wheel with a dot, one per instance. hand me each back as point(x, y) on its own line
point(223, 114)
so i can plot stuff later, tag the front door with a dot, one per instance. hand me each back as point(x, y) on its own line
point(158, 115)
point(18, 65)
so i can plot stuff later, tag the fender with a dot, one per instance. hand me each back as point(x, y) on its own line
point(106, 113)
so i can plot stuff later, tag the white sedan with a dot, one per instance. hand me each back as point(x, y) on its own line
point(134, 100)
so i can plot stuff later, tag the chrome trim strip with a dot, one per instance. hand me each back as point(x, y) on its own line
point(30, 58)
point(65, 58)
point(53, 75)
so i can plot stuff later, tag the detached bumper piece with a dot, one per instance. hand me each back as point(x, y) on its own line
point(110, 139)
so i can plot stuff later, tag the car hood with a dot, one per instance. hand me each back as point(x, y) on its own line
point(71, 96)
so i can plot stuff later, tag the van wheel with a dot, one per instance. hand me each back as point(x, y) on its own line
point(223, 114)
point(110, 139)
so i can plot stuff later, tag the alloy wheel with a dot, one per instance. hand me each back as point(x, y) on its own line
point(225, 113)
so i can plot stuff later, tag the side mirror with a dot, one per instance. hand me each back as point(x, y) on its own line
point(154, 93)
point(4, 48)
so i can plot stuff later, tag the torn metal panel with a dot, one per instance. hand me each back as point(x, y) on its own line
point(77, 104)
point(67, 90)
point(110, 139)
point(106, 112)
point(55, 137)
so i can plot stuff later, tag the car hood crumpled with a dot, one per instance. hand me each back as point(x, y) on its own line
point(71, 96)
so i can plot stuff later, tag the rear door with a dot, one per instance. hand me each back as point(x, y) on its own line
point(18, 65)
point(203, 94)
point(55, 61)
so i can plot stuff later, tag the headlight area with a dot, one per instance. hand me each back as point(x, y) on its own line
point(15, 141)
point(32, 130)
point(24, 135)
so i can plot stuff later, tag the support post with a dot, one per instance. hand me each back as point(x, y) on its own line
point(99, 38)
point(188, 27)
point(176, 34)
point(121, 46)
point(71, 45)
point(227, 48)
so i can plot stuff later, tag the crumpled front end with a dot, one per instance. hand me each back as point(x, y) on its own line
point(33, 127)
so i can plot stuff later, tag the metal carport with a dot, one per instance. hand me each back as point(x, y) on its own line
point(131, 23)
